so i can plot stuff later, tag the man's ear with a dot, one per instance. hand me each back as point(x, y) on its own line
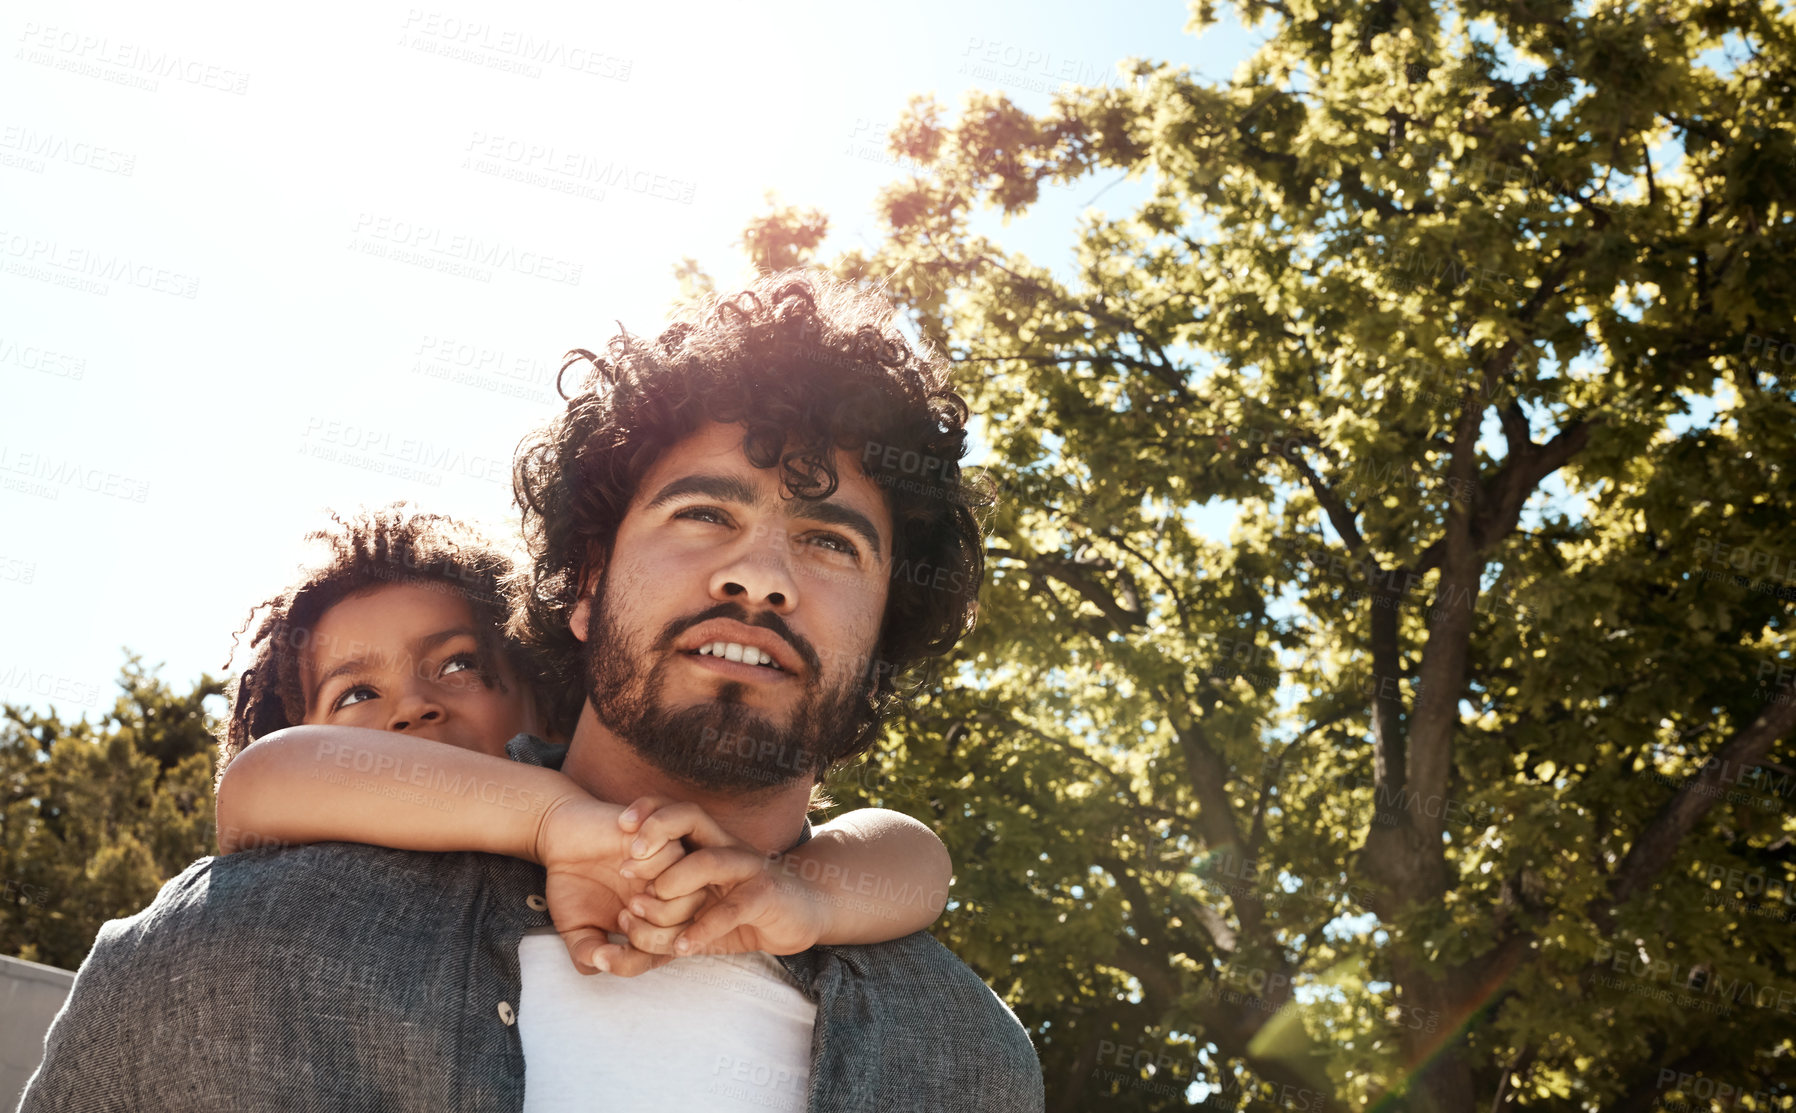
point(581, 616)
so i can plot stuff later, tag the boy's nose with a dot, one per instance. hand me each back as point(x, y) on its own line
point(414, 711)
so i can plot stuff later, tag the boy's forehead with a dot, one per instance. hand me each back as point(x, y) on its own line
point(385, 621)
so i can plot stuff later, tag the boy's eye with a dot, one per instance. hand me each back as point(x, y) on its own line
point(358, 694)
point(460, 663)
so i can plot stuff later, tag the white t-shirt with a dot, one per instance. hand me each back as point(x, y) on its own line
point(715, 1032)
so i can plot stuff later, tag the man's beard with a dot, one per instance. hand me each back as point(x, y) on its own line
point(720, 745)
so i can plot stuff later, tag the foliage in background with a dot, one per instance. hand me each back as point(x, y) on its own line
point(94, 817)
point(1460, 775)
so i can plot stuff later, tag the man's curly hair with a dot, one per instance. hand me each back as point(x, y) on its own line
point(807, 364)
point(392, 545)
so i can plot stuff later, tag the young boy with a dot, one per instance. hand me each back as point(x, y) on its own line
point(380, 699)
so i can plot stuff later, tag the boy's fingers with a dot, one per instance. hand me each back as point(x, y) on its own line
point(718, 921)
point(724, 866)
point(628, 962)
point(667, 913)
point(647, 869)
point(583, 944)
point(680, 821)
point(640, 809)
point(645, 936)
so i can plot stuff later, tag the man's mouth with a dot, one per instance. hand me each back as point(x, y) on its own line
point(735, 651)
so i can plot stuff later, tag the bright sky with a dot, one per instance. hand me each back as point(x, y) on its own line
point(255, 263)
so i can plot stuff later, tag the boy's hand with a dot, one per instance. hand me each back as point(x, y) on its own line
point(580, 844)
point(751, 906)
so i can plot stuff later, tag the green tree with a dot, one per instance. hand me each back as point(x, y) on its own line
point(1460, 774)
point(94, 817)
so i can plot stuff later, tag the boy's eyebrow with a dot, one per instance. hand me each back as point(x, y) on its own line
point(729, 488)
point(430, 641)
point(421, 646)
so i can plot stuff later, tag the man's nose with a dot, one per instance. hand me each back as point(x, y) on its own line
point(758, 572)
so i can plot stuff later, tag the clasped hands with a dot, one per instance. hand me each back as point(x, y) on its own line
point(666, 876)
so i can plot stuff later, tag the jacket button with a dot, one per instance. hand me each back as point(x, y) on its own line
point(506, 1014)
point(536, 902)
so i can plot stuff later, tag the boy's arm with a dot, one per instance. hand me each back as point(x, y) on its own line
point(310, 784)
point(882, 874)
point(317, 783)
point(871, 876)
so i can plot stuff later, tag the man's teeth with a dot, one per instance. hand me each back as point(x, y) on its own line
point(730, 651)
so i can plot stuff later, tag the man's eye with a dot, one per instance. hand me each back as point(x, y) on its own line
point(835, 543)
point(704, 514)
point(359, 694)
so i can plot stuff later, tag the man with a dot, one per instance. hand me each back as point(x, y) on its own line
point(721, 510)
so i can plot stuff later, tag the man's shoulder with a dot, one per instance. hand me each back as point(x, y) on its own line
point(919, 973)
point(935, 1010)
point(319, 879)
point(915, 965)
point(271, 973)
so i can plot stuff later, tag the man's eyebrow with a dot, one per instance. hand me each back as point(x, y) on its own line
point(724, 488)
point(835, 514)
point(730, 488)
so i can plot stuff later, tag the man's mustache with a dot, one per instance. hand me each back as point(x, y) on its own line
point(767, 620)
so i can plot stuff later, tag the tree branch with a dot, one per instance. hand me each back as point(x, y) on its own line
point(1078, 576)
point(1653, 849)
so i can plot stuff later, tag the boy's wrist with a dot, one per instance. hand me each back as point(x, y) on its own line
point(570, 823)
point(814, 902)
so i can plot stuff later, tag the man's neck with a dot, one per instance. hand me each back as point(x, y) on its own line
point(770, 820)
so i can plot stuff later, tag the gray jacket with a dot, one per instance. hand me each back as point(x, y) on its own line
point(340, 976)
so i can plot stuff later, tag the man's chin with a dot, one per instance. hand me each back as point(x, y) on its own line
point(719, 746)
